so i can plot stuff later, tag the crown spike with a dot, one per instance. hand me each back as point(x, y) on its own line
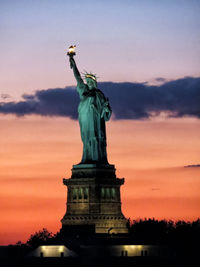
point(90, 75)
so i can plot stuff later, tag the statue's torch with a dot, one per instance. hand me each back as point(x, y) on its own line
point(71, 51)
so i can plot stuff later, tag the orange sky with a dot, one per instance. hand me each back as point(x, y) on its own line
point(37, 152)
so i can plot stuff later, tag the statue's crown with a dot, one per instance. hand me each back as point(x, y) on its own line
point(90, 75)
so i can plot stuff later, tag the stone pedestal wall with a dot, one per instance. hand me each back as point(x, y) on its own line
point(94, 199)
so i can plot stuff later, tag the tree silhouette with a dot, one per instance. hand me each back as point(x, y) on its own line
point(39, 238)
point(182, 236)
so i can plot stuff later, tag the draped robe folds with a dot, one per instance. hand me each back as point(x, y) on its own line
point(92, 114)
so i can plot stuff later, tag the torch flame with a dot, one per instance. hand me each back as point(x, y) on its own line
point(71, 49)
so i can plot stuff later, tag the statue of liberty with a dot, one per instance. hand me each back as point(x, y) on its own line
point(93, 111)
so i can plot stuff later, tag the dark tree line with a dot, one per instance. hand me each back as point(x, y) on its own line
point(179, 234)
point(163, 232)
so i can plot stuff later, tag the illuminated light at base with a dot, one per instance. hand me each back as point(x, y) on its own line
point(52, 251)
point(61, 248)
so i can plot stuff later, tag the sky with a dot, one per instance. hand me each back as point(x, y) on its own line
point(147, 57)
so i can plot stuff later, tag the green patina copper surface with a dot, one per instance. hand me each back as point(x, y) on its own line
point(93, 111)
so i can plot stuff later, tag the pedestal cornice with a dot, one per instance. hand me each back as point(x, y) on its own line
point(94, 180)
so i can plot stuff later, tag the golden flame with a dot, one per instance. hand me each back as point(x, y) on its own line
point(71, 49)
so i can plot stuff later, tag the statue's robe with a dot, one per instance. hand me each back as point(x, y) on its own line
point(92, 115)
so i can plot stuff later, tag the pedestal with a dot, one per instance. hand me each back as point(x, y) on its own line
point(93, 201)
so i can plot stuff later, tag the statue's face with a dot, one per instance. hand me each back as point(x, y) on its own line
point(91, 83)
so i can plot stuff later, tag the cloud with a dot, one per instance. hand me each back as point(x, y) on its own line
point(193, 166)
point(5, 96)
point(160, 79)
point(50, 102)
point(155, 189)
point(178, 98)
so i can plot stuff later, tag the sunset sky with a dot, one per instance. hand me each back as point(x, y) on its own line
point(146, 54)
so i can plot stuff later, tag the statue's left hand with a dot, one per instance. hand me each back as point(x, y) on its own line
point(106, 106)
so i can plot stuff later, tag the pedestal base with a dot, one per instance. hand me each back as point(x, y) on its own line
point(93, 200)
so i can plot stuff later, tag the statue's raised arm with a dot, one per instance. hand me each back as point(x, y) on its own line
point(75, 70)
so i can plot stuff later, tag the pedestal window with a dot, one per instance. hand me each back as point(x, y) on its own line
point(108, 193)
point(75, 193)
point(86, 193)
point(113, 193)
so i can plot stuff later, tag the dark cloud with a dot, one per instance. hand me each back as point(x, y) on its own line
point(193, 166)
point(160, 79)
point(50, 102)
point(128, 100)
